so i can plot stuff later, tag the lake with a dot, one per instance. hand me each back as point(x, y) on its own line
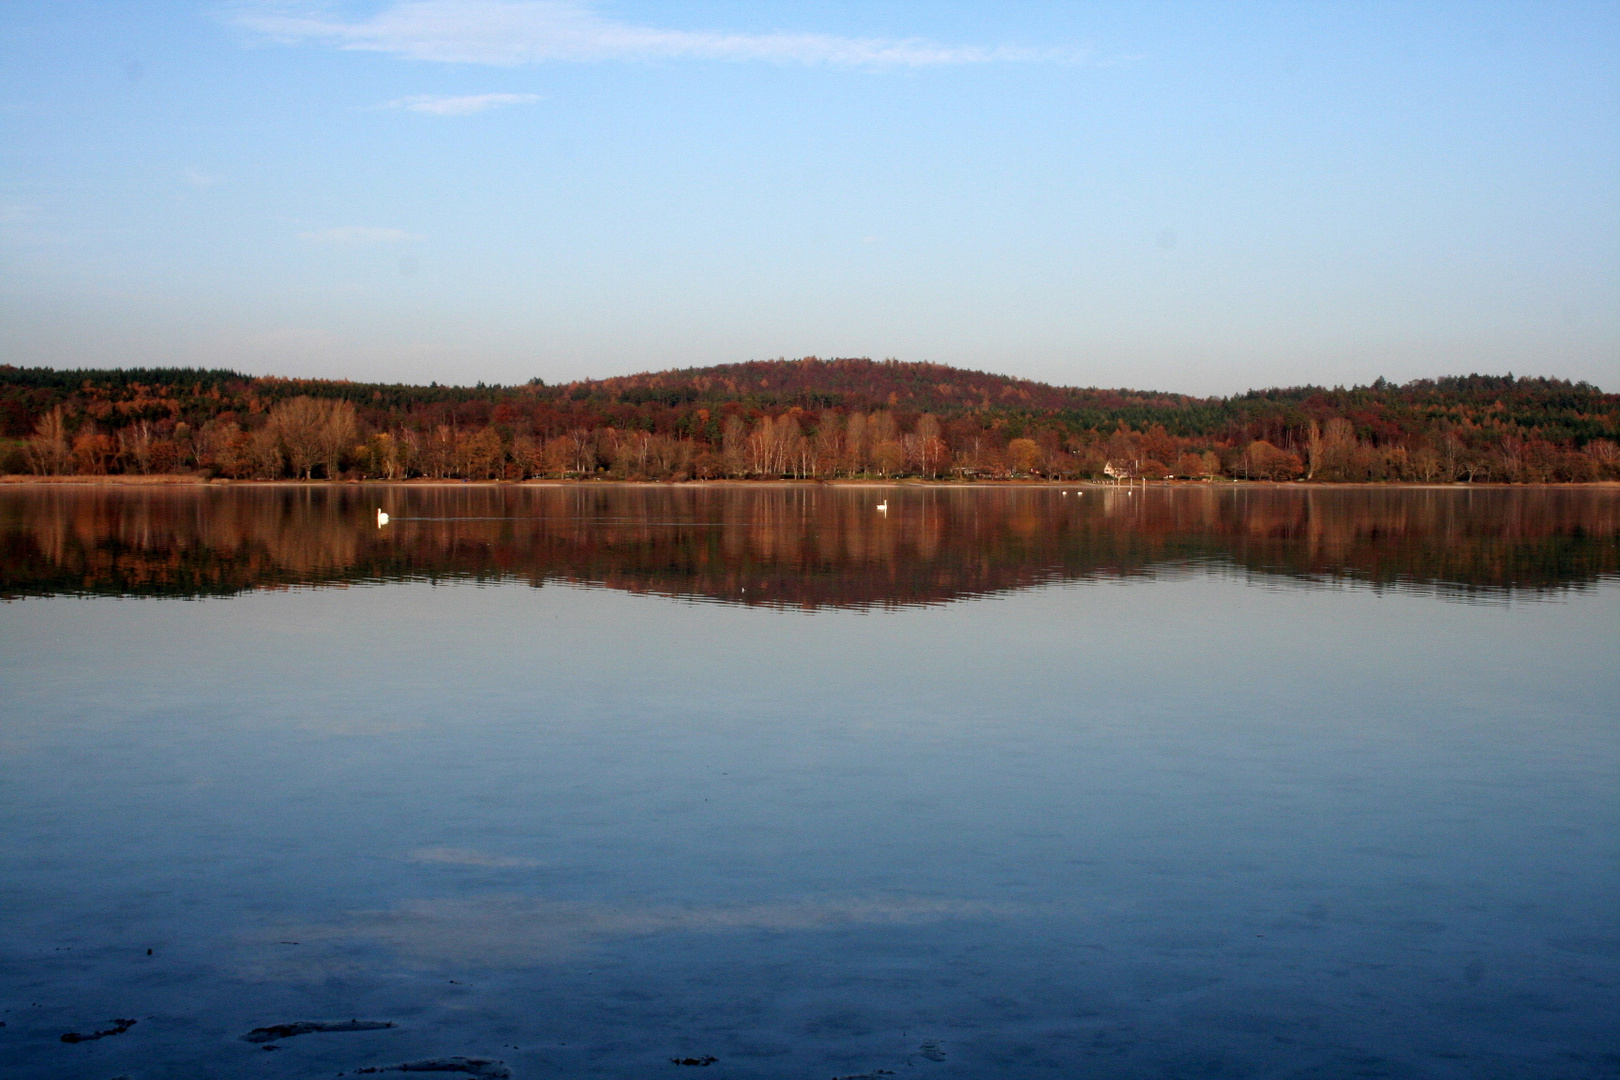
point(590, 781)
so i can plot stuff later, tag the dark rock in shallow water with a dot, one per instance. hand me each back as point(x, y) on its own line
point(307, 1027)
point(118, 1028)
point(485, 1068)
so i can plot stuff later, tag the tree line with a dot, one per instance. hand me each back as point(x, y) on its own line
point(805, 419)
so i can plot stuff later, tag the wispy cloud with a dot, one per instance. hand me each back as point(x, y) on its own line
point(358, 234)
point(198, 179)
point(460, 106)
point(14, 213)
point(469, 857)
point(512, 32)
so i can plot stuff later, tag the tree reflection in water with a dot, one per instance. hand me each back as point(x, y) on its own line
point(804, 546)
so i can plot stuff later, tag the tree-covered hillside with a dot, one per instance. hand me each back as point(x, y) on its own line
point(807, 418)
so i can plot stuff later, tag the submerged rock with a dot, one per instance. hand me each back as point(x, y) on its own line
point(118, 1028)
point(308, 1027)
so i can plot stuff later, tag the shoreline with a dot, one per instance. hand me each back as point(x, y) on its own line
point(169, 480)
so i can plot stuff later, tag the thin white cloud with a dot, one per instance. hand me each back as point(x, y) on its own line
point(465, 105)
point(198, 179)
point(469, 857)
point(513, 32)
point(15, 213)
point(358, 234)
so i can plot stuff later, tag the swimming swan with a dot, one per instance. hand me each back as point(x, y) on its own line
point(382, 518)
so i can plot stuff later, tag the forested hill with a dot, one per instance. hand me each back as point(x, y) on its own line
point(806, 417)
point(808, 383)
point(868, 384)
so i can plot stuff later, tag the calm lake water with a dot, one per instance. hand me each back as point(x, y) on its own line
point(1000, 783)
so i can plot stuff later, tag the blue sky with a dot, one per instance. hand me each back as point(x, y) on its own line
point(1196, 197)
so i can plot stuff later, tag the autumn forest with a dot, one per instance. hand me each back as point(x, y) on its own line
point(800, 419)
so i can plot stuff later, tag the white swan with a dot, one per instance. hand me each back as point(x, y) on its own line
point(382, 518)
point(883, 507)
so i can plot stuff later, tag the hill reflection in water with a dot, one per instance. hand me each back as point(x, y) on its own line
point(803, 546)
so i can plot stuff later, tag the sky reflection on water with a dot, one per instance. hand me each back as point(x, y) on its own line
point(1116, 825)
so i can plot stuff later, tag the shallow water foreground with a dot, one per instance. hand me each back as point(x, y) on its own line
point(591, 782)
